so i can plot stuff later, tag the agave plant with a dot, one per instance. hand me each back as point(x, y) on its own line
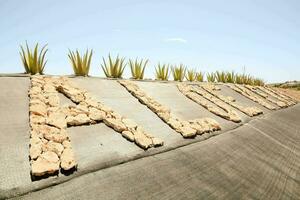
point(199, 76)
point(113, 68)
point(33, 62)
point(80, 64)
point(211, 77)
point(178, 72)
point(191, 75)
point(162, 72)
point(230, 77)
point(138, 68)
point(258, 82)
point(220, 76)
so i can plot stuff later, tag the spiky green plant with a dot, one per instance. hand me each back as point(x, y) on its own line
point(211, 77)
point(258, 82)
point(199, 76)
point(230, 77)
point(220, 76)
point(138, 68)
point(113, 68)
point(162, 72)
point(33, 62)
point(81, 64)
point(191, 75)
point(178, 72)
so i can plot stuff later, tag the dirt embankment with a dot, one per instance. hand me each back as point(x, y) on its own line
point(291, 92)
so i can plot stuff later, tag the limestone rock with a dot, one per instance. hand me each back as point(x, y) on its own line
point(53, 100)
point(35, 150)
point(54, 147)
point(128, 135)
point(68, 159)
point(67, 144)
point(157, 142)
point(129, 123)
point(174, 123)
point(80, 119)
point(117, 125)
point(165, 116)
point(57, 119)
point(142, 141)
point(38, 109)
point(96, 115)
point(42, 166)
point(37, 119)
point(59, 137)
point(187, 131)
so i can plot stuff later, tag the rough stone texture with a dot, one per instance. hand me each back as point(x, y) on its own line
point(277, 95)
point(266, 96)
point(47, 163)
point(78, 120)
point(67, 159)
point(117, 125)
point(219, 107)
point(128, 135)
point(48, 126)
point(89, 111)
point(181, 126)
point(57, 119)
point(250, 111)
point(250, 95)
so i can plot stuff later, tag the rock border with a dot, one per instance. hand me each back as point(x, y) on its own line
point(187, 129)
point(250, 95)
point(251, 111)
point(218, 108)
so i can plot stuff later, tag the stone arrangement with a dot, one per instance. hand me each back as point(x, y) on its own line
point(248, 110)
point(50, 146)
point(209, 101)
point(267, 96)
point(280, 96)
point(187, 129)
point(251, 95)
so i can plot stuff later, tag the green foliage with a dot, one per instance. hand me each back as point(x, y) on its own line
point(80, 64)
point(230, 77)
point(200, 76)
point(113, 68)
point(211, 77)
point(191, 75)
point(33, 62)
point(178, 72)
point(220, 76)
point(137, 68)
point(162, 72)
point(258, 81)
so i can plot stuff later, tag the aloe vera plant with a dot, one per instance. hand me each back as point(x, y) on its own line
point(230, 77)
point(33, 60)
point(178, 72)
point(211, 77)
point(113, 68)
point(191, 75)
point(162, 72)
point(199, 76)
point(138, 68)
point(80, 64)
point(220, 76)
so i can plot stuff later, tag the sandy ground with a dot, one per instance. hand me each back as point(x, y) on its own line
point(291, 92)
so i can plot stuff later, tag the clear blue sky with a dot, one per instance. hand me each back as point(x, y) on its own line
point(263, 35)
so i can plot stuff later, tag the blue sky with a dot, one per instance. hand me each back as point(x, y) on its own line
point(263, 36)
